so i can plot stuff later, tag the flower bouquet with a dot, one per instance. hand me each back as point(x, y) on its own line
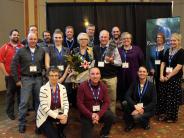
point(79, 68)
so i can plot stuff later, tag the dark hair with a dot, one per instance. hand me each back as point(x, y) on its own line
point(16, 30)
point(45, 32)
point(53, 69)
point(93, 68)
point(143, 67)
point(69, 27)
point(161, 34)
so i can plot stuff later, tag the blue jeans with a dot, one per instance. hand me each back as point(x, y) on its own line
point(30, 85)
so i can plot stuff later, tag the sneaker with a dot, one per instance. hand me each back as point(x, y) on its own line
point(12, 117)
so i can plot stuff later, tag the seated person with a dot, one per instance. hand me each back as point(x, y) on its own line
point(93, 103)
point(52, 112)
point(140, 101)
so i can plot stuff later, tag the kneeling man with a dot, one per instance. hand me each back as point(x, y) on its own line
point(93, 103)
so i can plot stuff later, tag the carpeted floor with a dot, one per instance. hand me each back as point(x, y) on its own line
point(9, 128)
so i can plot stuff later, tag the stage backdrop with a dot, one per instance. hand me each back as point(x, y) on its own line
point(129, 17)
point(165, 25)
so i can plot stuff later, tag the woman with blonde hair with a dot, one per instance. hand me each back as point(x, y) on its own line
point(170, 76)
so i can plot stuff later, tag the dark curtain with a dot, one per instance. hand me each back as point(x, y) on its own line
point(129, 17)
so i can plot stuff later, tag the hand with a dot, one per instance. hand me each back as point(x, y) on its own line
point(95, 118)
point(109, 59)
point(162, 79)
point(135, 112)
point(63, 118)
point(19, 83)
point(141, 111)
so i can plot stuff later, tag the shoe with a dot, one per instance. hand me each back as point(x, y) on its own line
point(12, 117)
point(128, 128)
point(22, 129)
point(170, 121)
point(147, 127)
point(38, 131)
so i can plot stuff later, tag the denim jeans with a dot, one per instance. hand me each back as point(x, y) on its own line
point(30, 86)
point(12, 92)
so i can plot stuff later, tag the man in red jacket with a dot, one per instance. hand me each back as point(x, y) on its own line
point(7, 52)
point(93, 103)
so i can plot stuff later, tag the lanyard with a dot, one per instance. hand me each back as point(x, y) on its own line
point(156, 50)
point(124, 54)
point(102, 50)
point(69, 45)
point(95, 96)
point(83, 56)
point(55, 94)
point(170, 59)
point(59, 54)
point(32, 57)
point(143, 91)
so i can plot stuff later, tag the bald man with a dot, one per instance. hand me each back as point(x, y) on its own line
point(31, 60)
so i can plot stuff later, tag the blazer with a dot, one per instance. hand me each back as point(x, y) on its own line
point(149, 99)
point(45, 102)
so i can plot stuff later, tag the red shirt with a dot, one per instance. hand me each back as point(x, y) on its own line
point(7, 52)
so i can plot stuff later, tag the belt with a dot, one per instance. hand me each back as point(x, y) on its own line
point(32, 75)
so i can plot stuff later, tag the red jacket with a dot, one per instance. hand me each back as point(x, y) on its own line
point(85, 100)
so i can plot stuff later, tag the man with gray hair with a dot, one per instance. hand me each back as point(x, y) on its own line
point(108, 60)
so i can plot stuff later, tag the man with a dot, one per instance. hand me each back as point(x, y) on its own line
point(90, 30)
point(108, 64)
point(7, 52)
point(93, 103)
point(69, 40)
point(31, 59)
point(116, 37)
point(47, 40)
point(32, 29)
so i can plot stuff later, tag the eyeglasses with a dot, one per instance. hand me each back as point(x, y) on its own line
point(83, 39)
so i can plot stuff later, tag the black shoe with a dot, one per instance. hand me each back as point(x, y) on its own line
point(12, 117)
point(38, 131)
point(22, 129)
point(128, 128)
point(147, 127)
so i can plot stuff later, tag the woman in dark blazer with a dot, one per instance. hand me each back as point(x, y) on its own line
point(140, 101)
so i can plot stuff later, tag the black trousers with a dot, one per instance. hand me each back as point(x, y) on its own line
point(87, 126)
point(130, 120)
point(52, 129)
point(12, 91)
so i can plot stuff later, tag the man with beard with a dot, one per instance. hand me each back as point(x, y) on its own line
point(116, 37)
point(47, 41)
point(31, 60)
point(7, 52)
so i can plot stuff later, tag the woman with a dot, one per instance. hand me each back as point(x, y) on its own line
point(55, 55)
point(83, 50)
point(156, 56)
point(132, 58)
point(140, 101)
point(170, 76)
point(52, 114)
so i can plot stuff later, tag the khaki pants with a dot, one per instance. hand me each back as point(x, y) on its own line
point(111, 86)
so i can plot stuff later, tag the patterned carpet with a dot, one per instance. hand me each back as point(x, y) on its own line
point(9, 128)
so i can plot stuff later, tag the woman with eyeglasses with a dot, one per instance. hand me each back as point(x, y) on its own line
point(132, 58)
point(170, 76)
point(52, 114)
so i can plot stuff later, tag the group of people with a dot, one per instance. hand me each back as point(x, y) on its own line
point(119, 74)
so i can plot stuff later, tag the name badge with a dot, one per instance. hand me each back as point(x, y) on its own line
point(61, 67)
point(169, 69)
point(125, 65)
point(140, 105)
point(96, 108)
point(33, 68)
point(157, 62)
point(100, 64)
